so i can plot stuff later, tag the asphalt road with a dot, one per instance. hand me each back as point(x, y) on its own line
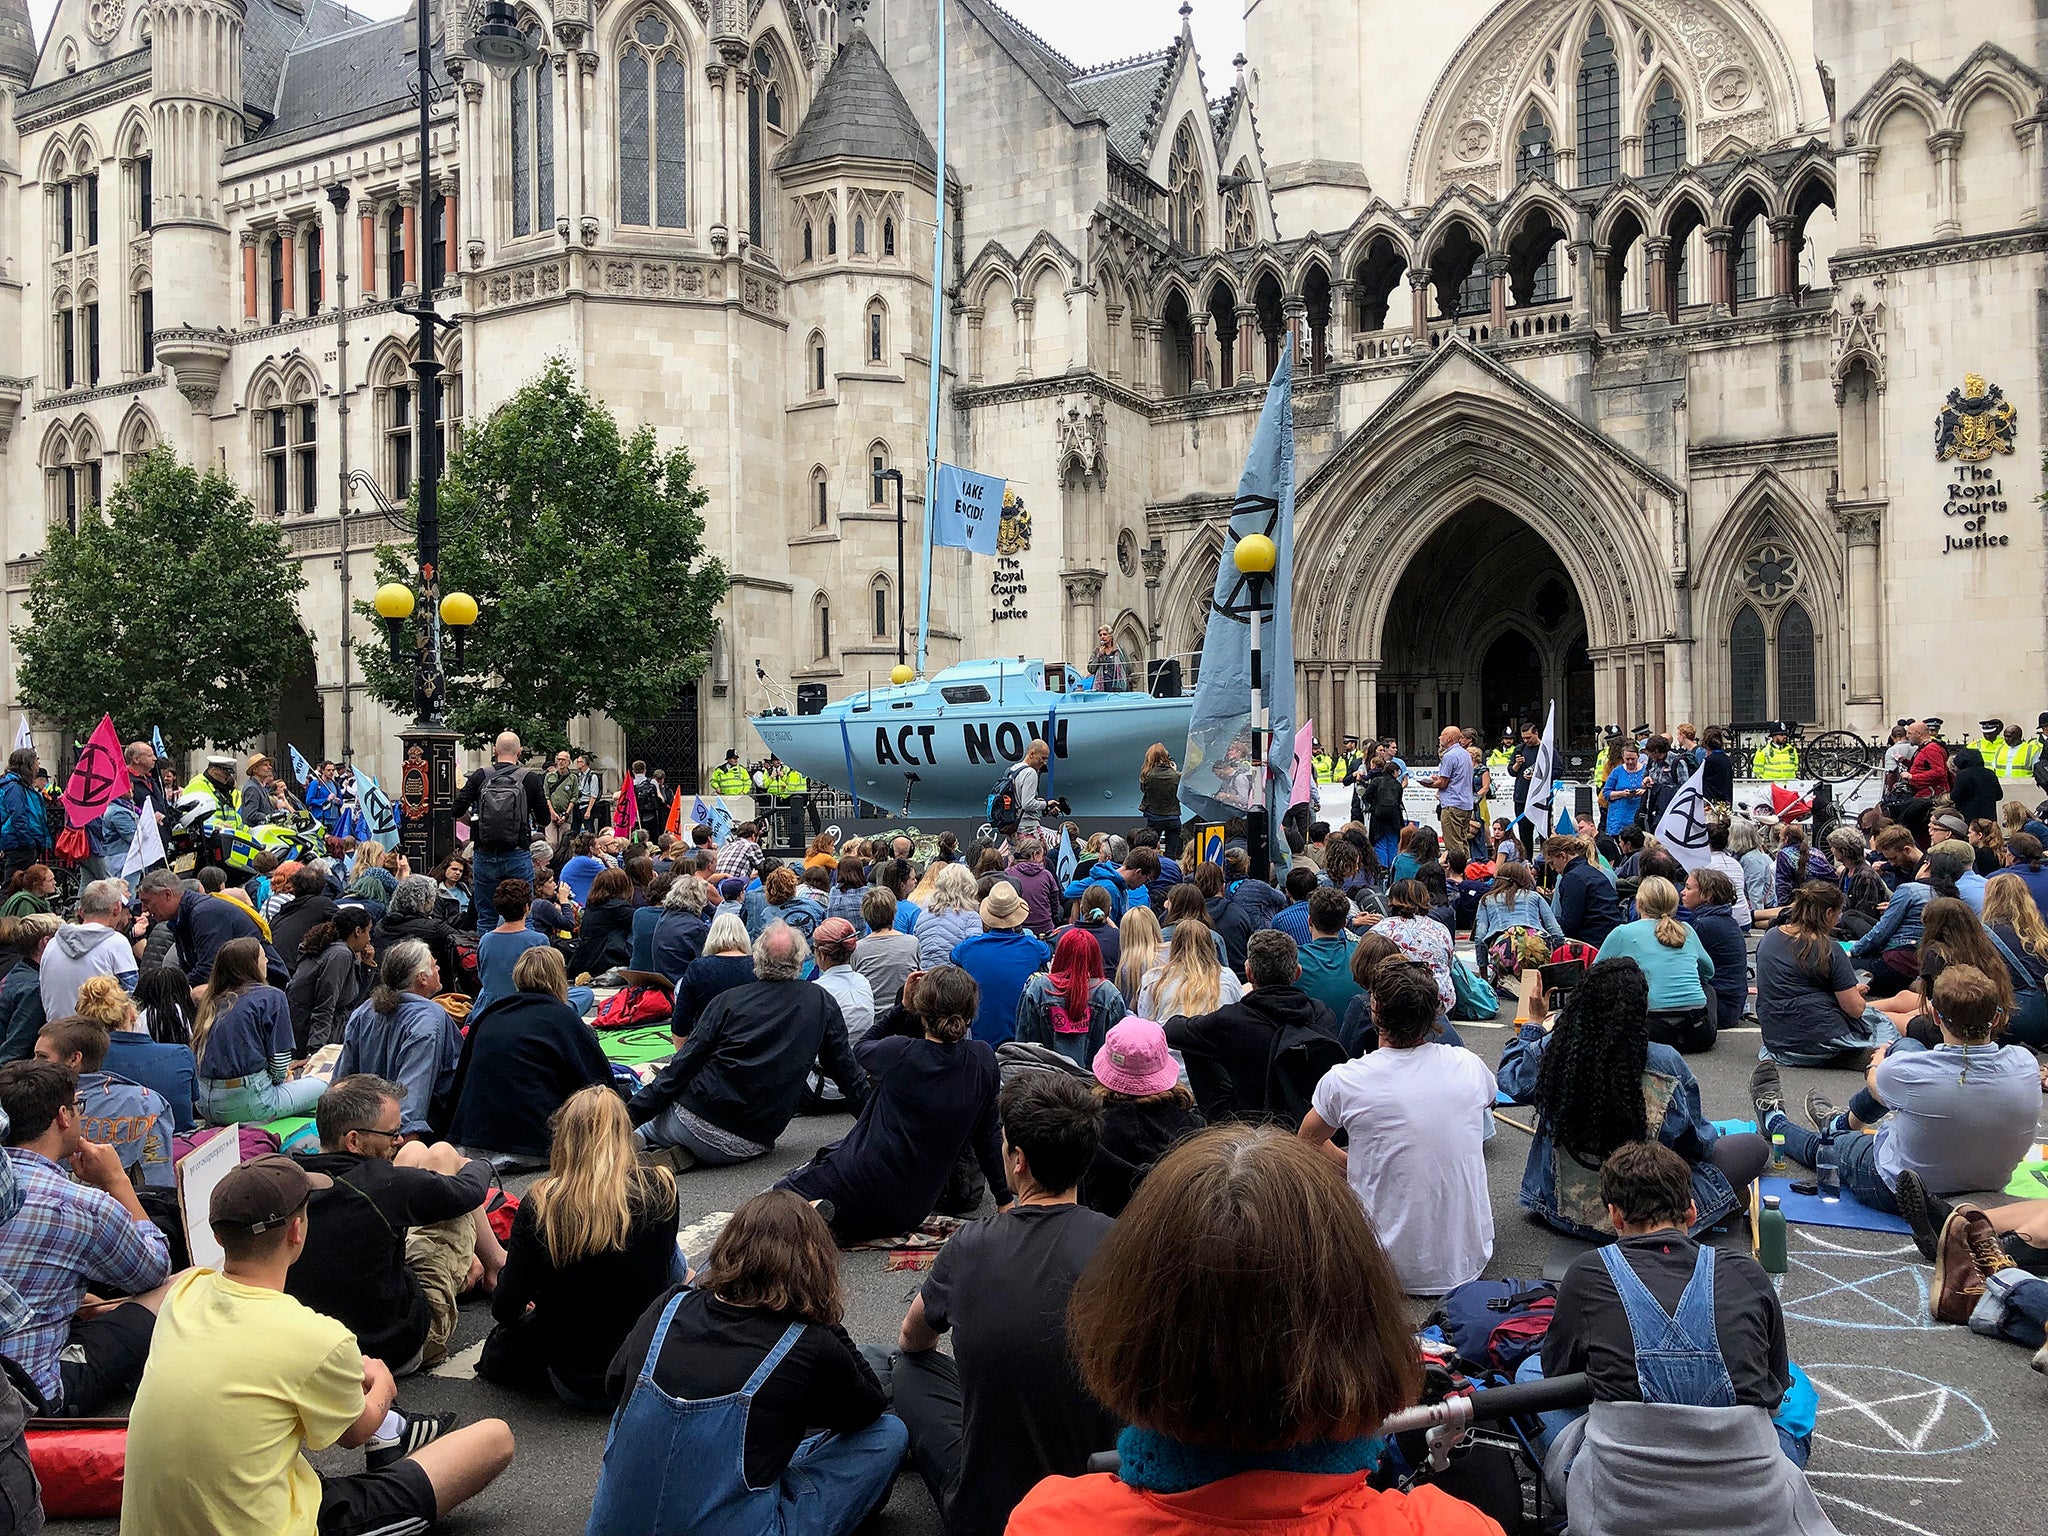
point(1925, 1430)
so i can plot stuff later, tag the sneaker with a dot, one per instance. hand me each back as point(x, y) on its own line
point(1957, 1284)
point(674, 1159)
point(1926, 1214)
point(1766, 1093)
point(421, 1429)
point(1820, 1111)
point(1986, 1251)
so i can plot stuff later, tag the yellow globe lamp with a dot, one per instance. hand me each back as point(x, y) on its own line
point(458, 610)
point(1255, 555)
point(902, 673)
point(394, 601)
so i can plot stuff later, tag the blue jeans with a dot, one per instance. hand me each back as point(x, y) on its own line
point(672, 1128)
point(487, 871)
point(1874, 1029)
point(258, 1100)
point(582, 999)
point(834, 1481)
point(1855, 1156)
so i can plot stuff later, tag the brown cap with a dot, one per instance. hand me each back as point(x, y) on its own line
point(835, 933)
point(262, 1193)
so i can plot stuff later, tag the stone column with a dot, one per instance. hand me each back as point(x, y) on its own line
point(248, 277)
point(1305, 360)
point(1719, 289)
point(451, 251)
point(1024, 309)
point(1860, 529)
point(1600, 302)
point(1418, 291)
point(1585, 301)
point(570, 120)
point(1657, 275)
point(1497, 290)
point(409, 201)
point(1784, 261)
point(1365, 694)
point(975, 362)
point(1198, 355)
point(1083, 612)
point(1247, 349)
point(1343, 300)
point(1866, 197)
point(477, 163)
point(287, 260)
point(1113, 322)
point(1943, 147)
point(2029, 137)
point(718, 212)
point(1632, 154)
point(372, 278)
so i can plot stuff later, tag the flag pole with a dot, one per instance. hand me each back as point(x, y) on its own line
point(931, 450)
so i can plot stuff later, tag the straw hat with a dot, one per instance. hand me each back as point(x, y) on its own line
point(1003, 907)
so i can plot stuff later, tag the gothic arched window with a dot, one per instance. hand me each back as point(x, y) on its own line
point(653, 126)
point(1240, 224)
point(1599, 108)
point(1663, 132)
point(1535, 156)
point(766, 129)
point(533, 143)
point(1746, 666)
point(1184, 190)
point(1796, 692)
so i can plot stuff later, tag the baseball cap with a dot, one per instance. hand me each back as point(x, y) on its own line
point(834, 933)
point(731, 888)
point(263, 1193)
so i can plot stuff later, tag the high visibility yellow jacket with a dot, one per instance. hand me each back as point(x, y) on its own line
point(227, 799)
point(1775, 763)
point(2016, 762)
point(1327, 769)
point(730, 779)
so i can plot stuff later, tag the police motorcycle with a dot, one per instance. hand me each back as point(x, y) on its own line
point(207, 827)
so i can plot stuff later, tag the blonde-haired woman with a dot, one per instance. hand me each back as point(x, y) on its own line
point(2014, 923)
point(952, 912)
point(594, 1242)
point(242, 1040)
point(522, 1059)
point(1159, 793)
point(1672, 957)
point(1192, 982)
point(1140, 947)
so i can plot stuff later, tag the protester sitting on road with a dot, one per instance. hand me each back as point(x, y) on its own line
point(1147, 1111)
point(30, 890)
point(1006, 1409)
point(1419, 936)
point(98, 944)
point(307, 906)
point(832, 947)
point(164, 1005)
point(740, 1077)
point(498, 949)
point(1512, 902)
point(1139, 945)
point(200, 924)
point(1230, 1052)
point(1415, 1115)
point(21, 993)
point(1707, 906)
point(1891, 949)
point(243, 1378)
point(885, 955)
point(399, 1236)
point(1583, 897)
point(1598, 1082)
point(1960, 1116)
point(680, 927)
point(1191, 981)
point(242, 1040)
point(1672, 957)
point(402, 1034)
point(723, 1387)
point(522, 1059)
point(2014, 924)
point(1809, 1002)
point(335, 972)
point(932, 1098)
point(727, 962)
point(1356, 1030)
point(132, 1119)
point(604, 939)
point(593, 1244)
point(1095, 915)
point(1950, 934)
point(1070, 1006)
point(77, 1231)
point(1253, 1380)
point(131, 1054)
point(1001, 958)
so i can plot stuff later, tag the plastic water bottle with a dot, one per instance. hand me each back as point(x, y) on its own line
point(1827, 1173)
point(1780, 1164)
point(1771, 1241)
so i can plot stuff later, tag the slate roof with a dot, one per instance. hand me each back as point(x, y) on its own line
point(859, 112)
point(271, 30)
point(17, 41)
point(1126, 96)
point(351, 74)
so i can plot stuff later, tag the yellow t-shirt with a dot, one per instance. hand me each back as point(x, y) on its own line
point(239, 1378)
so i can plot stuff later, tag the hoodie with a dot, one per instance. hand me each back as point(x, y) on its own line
point(1228, 1052)
point(1135, 1135)
point(78, 952)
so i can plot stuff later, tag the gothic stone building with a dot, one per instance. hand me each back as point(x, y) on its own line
point(1667, 358)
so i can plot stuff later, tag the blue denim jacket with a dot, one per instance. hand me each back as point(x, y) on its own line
point(1686, 1130)
point(1898, 925)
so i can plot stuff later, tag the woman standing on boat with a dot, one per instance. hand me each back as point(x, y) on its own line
point(1159, 792)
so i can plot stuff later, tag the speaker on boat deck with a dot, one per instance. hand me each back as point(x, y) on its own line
point(1162, 678)
point(1582, 804)
point(810, 698)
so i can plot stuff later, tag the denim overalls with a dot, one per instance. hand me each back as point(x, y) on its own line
point(1678, 1357)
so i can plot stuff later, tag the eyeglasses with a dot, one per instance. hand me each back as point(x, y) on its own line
point(394, 1134)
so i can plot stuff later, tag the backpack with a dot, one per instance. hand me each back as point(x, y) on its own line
point(633, 1006)
point(1295, 1063)
point(1386, 795)
point(1005, 810)
point(1472, 998)
point(1497, 1324)
point(501, 818)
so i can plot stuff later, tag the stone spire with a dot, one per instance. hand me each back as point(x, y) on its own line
point(17, 42)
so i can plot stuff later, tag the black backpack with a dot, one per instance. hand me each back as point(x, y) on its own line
point(1005, 810)
point(1295, 1063)
point(1386, 797)
point(501, 818)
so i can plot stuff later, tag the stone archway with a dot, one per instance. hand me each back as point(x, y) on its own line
point(299, 718)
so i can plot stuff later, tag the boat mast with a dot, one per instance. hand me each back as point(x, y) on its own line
point(931, 450)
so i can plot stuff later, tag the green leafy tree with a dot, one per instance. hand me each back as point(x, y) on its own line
point(584, 549)
point(175, 606)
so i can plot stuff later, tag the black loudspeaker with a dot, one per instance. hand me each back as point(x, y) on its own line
point(1827, 813)
point(1582, 804)
point(810, 698)
point(1162, 678)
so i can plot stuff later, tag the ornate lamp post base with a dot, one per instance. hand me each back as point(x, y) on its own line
point(427, 793)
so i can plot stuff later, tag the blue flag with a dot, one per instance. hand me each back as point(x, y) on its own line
point(721, 825)
point(1219, 778)
point(156, 741)
point(967, 510)
point(301, 769)
point(1066, 861)
point(700, 813)
point(380, 820)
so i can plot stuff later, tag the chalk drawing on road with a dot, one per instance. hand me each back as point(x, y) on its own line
point(1892, 1521)
point(1839, 1284)
point(1890, 1412)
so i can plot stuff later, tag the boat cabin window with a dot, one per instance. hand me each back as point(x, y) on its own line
point(965, 693)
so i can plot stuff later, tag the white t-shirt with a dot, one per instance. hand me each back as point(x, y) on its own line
point(1417, 1162)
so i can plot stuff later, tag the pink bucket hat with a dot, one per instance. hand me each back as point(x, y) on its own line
point(1134, 1059)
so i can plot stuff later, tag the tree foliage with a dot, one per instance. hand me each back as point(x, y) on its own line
point(174, 606)
point(584, 549)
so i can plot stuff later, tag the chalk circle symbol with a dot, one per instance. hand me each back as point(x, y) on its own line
point(1890, 1412)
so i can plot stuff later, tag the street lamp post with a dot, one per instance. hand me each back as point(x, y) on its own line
point(497, 42)
point(1255, 557)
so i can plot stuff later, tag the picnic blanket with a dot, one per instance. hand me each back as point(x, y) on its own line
point(1847, 1212)
point(2029, 1181)
point(916, 1249)
point(294, 1133)
point(638, 1047)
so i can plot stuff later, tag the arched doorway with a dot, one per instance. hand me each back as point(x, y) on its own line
point(300, 716)
point(1484, 630)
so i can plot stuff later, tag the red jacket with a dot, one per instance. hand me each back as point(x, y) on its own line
point(1249, 1504)
point(1930, 774)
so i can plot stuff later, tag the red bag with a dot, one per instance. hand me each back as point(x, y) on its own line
point(634, 1006)
point(79, 1463)
point(72, 846)
point(499, 1210)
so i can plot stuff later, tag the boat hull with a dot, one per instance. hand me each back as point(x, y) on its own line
point(944, 759)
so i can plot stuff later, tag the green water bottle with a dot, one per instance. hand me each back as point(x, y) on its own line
point(1770, 1240)
point(1780, 1164)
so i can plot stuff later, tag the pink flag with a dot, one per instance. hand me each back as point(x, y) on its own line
point(626, 809)
point(1304, 766)
point(97, 777)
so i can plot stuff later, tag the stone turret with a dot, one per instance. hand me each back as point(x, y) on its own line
point(195, 103)
point(17, 67)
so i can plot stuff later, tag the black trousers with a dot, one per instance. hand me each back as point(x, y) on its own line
point(925, 1389)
